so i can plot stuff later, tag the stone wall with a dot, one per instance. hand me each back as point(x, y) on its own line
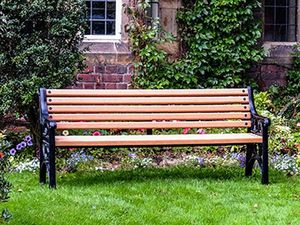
point(275, 66)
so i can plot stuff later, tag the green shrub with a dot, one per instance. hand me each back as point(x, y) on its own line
point(282, 136)
point(220, 39)
point(38, 48)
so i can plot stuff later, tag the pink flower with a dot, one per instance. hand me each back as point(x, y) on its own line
point(2, 155)
point(96, 133)
point(186, 130)
point(72, 149)
point(141, 130)
point(201, 131)
point(298, 124)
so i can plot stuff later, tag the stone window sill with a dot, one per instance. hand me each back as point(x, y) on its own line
point(105, 47)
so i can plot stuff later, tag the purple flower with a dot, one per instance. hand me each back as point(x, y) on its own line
point(23, 144)
point(29, 143)
point(132, 155)
point(201, 131)
point(242, 160)
point(27, 138)
point(19, 147)
point(12, 151)
point(200, 161)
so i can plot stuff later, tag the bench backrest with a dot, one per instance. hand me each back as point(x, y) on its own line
point(149, 109)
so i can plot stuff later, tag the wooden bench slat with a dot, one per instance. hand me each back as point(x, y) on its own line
point(148, 116)
point(146, 108)
point(147, 100)
point(150, 140)
point(127, 93)
point(151, 125)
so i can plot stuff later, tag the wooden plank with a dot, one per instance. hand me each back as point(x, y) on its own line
point(165, 92)
point(148, 116)
point(147, 100)
point(146, 108)
point(152, 125)
point(150, 140)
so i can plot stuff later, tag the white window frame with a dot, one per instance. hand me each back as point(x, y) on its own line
point(109, 38)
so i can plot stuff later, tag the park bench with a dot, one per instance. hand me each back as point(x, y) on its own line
point(69, 109)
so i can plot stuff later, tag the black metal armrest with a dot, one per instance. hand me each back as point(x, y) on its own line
point(262, 119)
point(260, 124)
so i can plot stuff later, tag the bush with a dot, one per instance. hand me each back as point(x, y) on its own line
point(220, 39)
point(38, 48)
point(282, 134)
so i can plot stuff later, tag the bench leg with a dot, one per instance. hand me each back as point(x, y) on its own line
point(265, 163)
point(52, 171)
point(250, 159)
point(43, 169)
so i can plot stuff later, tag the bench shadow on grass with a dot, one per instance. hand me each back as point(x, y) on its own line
point(169, 174)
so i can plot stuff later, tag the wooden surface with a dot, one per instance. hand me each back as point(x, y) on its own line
point(153, 109)
point(152, 125)
point(148, 116)
point(150, 140)
point(146, 108)
point(146, 100)
point(128, 93)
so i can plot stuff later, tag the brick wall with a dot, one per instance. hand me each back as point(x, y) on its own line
point(105, 76)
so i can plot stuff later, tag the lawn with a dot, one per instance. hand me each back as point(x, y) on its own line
point(180, 195)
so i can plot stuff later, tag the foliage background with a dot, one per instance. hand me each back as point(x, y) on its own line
point(220, 42)
point(38, 48)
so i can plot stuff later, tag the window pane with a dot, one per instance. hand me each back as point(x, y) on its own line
point(98, 10)
point(280, 32)
point(269, 33)
point(280, 18)
point(111, 10)
point(98, 27)
point(281, 15)
point(269, 15)
point(110, 28)
point(282, 2)
point(269, 2)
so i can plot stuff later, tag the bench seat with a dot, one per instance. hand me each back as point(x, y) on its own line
point(153, 140)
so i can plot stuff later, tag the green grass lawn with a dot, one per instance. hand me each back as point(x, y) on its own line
point(156, 196)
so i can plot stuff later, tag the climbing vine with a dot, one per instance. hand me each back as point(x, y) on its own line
point(219, 41)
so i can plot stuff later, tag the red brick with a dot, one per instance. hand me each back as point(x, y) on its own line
point(264, 68)
point(89, 85)
point(131, 69)
point(100, 69)
point(88, 77)
point(111, 69)
point(122, 86)
point(272, 68)
point(121, 69)
point(110, 86)
point(100, 86)
point(78, 85)
point(89, 69)
point(112, 78)
point(127, 78)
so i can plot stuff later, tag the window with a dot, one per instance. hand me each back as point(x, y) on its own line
point(280, 22)
point(104, 19)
